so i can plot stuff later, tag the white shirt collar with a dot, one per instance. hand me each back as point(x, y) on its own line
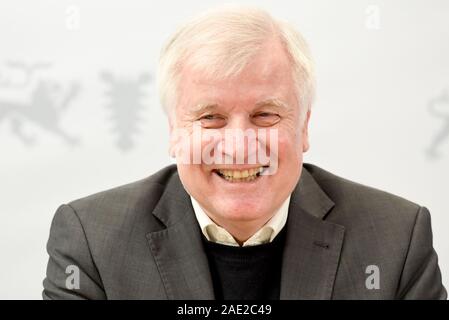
point(267, 233)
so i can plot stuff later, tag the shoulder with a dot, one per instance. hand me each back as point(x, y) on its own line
point(360, 207)
point(349, 193)
point(124, 204)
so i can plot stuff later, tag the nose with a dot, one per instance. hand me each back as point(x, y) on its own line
point(239, 143)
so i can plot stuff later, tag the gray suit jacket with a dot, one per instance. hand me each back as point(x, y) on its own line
point(142, 241)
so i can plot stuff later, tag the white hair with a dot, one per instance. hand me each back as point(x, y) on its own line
point(221, 42)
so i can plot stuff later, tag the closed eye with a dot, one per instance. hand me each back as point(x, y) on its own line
point(212, 121)
point(266, 119)
point(209, 117)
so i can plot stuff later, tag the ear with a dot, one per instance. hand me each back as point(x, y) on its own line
point(171, 124)
point(305, 133)
point(172, 142)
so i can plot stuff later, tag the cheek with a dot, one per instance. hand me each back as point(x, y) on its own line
point(191, 174)
point(290, 146)
point(290, 164)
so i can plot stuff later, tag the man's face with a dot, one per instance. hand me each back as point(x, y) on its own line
point(263, 96)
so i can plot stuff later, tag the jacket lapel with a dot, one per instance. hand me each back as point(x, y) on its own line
point(312, 249)
point(178, 250)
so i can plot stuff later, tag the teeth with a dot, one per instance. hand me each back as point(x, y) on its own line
point(241, 175)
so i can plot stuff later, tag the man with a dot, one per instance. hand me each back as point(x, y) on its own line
point(240, 216)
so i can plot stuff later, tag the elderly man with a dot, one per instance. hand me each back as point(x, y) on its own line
point(240, 216)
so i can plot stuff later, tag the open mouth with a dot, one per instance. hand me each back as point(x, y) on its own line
point(247, 175)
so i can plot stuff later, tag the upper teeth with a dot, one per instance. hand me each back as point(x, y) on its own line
point(238, 174)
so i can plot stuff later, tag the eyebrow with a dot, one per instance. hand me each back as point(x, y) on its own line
point(272, 102)
point(203, 107)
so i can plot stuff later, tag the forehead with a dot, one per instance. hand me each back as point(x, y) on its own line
point(267, 76)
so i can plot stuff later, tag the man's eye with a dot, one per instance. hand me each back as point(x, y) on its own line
point(264, 114)
point(266, 119)
point(209, 117)
point(212, 121)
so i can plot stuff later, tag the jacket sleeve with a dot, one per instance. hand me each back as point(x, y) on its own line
point(421, 277)
point(71, 272)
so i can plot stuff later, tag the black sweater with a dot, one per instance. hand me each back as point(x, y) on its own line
point(246, 273)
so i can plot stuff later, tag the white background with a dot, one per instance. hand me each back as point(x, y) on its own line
point(380, 65)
